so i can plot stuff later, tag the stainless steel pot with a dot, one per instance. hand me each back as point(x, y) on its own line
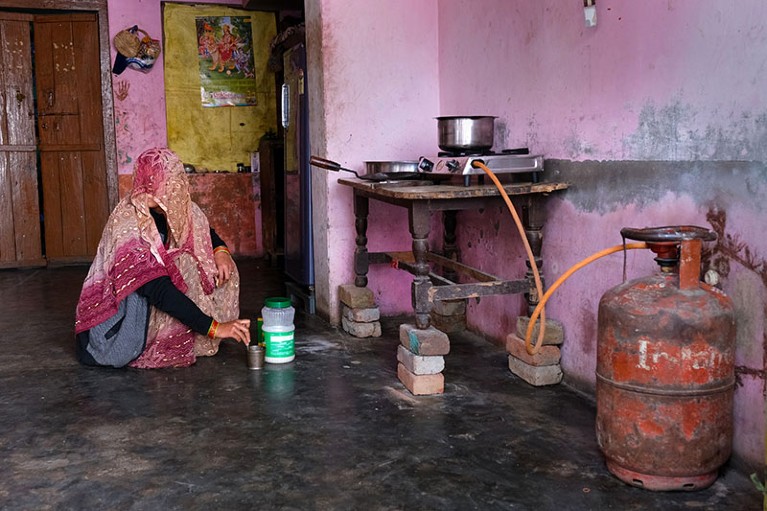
point(466, 133)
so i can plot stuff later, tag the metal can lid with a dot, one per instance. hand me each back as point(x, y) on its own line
point(277, 302)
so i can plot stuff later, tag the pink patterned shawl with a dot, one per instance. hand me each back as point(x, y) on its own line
point(131, 253)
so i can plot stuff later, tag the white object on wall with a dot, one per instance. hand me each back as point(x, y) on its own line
point(590, 13)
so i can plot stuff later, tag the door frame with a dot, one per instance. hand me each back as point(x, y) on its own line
point(107, 99)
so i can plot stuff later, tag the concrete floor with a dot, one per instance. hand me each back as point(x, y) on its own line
point(333, 430)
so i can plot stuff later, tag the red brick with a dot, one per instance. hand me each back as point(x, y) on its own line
point(421, 384)
point(429, 341)
point(547, 356)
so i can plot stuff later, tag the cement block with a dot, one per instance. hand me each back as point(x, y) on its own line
point(421, 385)
point(356, 297)
point(361, 330)
point(449, 307)
point(554, 334)
point(547, 356)
point(429, 341)
point(536, 376)
point(418, 364)
point(366, 315)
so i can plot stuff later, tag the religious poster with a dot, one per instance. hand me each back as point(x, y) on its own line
point(225, 56)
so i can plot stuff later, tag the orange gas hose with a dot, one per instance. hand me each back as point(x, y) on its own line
point(530, 257)
point(566, 275)
point(543, 298)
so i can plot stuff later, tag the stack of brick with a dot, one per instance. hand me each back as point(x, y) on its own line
point(421, 359)
point(449, 315)
point(359, 314)
point(540, 369)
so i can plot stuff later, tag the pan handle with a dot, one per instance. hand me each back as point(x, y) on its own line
point(324, 164)
point(329, 165)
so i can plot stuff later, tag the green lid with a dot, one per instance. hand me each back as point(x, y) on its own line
point(278, 302)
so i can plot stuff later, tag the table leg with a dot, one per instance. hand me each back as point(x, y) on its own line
point(361, 262)
point(533, 216)
point(419, 230)
point(449, 247)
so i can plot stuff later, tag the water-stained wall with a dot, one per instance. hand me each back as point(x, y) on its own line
point(655, 117)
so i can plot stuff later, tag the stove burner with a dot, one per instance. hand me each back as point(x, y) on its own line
point(447, 154)
point(510, 161)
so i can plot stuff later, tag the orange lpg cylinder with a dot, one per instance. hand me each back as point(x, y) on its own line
point(666, 369)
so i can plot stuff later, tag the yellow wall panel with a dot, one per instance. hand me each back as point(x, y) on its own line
point(214, 138)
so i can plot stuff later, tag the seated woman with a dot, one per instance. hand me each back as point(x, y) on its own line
point(163, 288)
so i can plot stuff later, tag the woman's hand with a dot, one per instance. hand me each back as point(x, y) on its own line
point(239, 329)
point(224, 265)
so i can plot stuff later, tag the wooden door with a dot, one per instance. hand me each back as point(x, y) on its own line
point(71, 135)
point(20, 241)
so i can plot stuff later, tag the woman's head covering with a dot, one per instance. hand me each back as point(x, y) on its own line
point(158, 172)
point(159, 175)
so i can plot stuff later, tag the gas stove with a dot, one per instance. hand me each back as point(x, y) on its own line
point(510, 161)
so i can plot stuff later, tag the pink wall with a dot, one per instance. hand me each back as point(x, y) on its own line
point(657, 80)
point(140, 114)
point(653, 117)
point(374, 94)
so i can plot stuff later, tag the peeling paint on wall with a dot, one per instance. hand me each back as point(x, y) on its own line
point(730, 248)
point(675, 131)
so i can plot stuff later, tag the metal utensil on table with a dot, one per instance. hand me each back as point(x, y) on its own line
point(329, 165)
point(377, 176)
point(256, 356)
point(391, 167)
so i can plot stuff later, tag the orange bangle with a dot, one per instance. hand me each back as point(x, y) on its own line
point(212, 329)
point(221, 248)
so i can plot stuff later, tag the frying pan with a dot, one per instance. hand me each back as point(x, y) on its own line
point(374, 167)
point(376, 176)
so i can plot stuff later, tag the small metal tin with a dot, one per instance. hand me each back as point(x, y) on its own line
point(256, 355)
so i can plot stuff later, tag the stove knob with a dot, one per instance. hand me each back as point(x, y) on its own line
point(453, 166)
point(426, 165)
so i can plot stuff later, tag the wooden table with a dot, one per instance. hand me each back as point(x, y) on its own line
point(423, 198)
